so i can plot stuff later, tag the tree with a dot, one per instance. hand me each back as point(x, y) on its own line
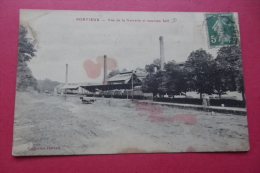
point(140, 69)
point(161, 80)
point(113, 73)
point(230, 59)
point(25, 78)
point(157, 62)
point(155, 83)
point(26, 51)
point(176, 80)
point(198, 68)
point(150, 68)
point(149, 85)
point(221, 80)
point(47, 84)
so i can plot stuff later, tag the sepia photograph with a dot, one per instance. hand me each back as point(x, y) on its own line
point(103, 82)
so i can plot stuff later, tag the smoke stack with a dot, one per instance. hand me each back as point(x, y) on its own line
point(105, 70)
point(161, 52)
point(66, 78)
point(155, 69)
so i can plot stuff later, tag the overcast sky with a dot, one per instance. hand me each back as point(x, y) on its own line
point(61, 39)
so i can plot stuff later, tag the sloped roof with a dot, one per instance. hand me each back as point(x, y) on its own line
point(126, 76)
point(71, 87)
point(120, 77)
point(91, 84)
point(141, 75)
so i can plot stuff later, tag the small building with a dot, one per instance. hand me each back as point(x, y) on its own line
point(69, 89)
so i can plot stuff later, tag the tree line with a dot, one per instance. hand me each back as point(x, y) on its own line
point(26, 51)
point(201, 73)
point(25, 79)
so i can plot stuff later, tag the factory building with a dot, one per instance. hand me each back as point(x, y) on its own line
point(124, 80)
point(70, 89)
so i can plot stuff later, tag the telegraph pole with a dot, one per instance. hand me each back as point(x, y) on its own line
point(132, 84)
point(66, 82)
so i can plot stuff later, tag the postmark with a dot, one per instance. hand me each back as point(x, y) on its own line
point(221, 29)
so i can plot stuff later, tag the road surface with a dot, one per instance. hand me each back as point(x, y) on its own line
point(51, 125)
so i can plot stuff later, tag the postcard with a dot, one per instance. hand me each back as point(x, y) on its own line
point(114, 82)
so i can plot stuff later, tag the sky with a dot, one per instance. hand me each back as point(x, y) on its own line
point(62, 37)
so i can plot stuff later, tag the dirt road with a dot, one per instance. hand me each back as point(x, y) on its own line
point(51, 125)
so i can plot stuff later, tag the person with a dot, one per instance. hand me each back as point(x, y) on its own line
point(207, 100)
point(204, 101)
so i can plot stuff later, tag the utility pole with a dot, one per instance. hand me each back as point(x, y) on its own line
point(132, 84)
point(66, 82)
point(24, 77)
point(105, 70)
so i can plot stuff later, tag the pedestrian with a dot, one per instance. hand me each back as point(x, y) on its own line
point(204, 101)
point(207, 99)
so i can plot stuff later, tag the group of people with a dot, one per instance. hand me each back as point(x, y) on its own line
point(205, 100)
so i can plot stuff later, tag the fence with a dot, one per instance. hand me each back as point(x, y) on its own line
point(139, 97)
point(195, 101)
point(213, 102)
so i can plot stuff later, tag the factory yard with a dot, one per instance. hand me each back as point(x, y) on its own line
point(51, 125)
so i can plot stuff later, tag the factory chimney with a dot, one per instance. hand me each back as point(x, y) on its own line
point(155, 69)
point(105, 70)
point(161, 52)
point(66, 78)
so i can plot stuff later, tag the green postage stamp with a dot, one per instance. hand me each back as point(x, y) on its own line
point(222, 29)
